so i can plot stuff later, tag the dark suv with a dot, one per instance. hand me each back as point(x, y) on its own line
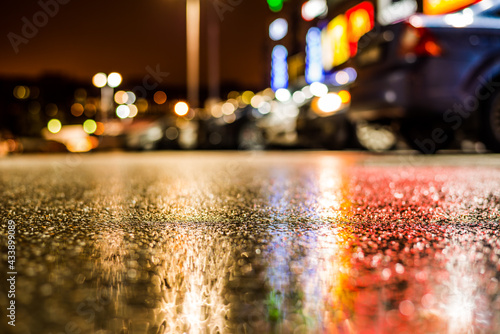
point(433, 77)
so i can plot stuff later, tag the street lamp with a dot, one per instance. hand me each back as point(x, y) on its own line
point(107, 83)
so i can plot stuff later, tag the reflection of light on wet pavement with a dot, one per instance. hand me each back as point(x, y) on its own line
point(270, 243)
point(307, 283)
point(330, 193)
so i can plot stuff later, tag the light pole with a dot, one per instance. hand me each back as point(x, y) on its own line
point(193, 51)
point(107, 83)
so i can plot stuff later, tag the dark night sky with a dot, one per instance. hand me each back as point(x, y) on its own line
point(86, 37)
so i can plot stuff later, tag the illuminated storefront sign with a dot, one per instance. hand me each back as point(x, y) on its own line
point(339, 40)
point(359, 22)
point(279, 68)
point(314, 68)
point(390, 11)
point(436, 7)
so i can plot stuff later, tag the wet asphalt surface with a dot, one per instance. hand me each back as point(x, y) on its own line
point(292, 242)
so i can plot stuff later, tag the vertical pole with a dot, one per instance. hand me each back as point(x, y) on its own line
point(213, 56)
point(106, 102)
point(193, 51)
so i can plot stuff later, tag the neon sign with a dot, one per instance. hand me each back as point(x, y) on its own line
point(314, 68)
point(279, 68)
point(340, 37)
point(436, 7)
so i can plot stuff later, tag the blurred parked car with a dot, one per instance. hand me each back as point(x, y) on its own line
point(433, 77)
point(322, 121)
point(233, 130)
point(146, 135)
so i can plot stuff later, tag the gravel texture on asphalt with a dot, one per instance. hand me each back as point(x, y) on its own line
point(283, 242)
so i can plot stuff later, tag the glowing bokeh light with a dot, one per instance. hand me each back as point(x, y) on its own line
point(314, 62)
point(89, 126)
point(299, 97)
point(345, 96)
point(329, 103)
point(130, 98)
point(99, 128)
point(279, 68)
point(77, 109)
point(228, 108)
point(313, 8)
point(54, 125)
point(342, 78)
point(278, 29)
point(99, 80)
point(133, 110)
point(160, 97)
point(318, 89)
point(247, 96)
point(283, 95)
point(114, 79)
point(181, 108)
point(121, 97)
point(122, 111)
point(21, 92)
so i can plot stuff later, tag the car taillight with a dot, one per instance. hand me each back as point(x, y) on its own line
point(418, 41)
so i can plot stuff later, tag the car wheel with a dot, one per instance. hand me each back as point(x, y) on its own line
point(491, 124)
point(336, 134)
point(427, 136)
point(376, 137)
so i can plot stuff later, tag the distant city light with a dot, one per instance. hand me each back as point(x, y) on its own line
point(313, 8)
point(299, 97)
point(99, 129)
point(275, 5)
point(89, 126)
point(318, 89)
point(122, 111)
point(352, 73)
point(121, 97)
point(133, 110)
point(257, 101)
point(307, 92)
point(228, 108)
point(329, 103)
point(181, 108)
point(130, 98)
point(77, 109)
point(345, 96)
point(99, 80)
point(342, 77)
point(279, 68)
point(247, 97)
point(283, 95)
point(54, 125)
point(265, 108)
point(21, 92)
point(278, 29)
point(114, 79)
point(160, 97)
point(142, 104)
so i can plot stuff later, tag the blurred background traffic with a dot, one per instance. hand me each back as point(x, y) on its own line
point(236, 74)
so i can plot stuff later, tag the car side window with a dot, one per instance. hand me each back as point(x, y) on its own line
point(493, 13)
